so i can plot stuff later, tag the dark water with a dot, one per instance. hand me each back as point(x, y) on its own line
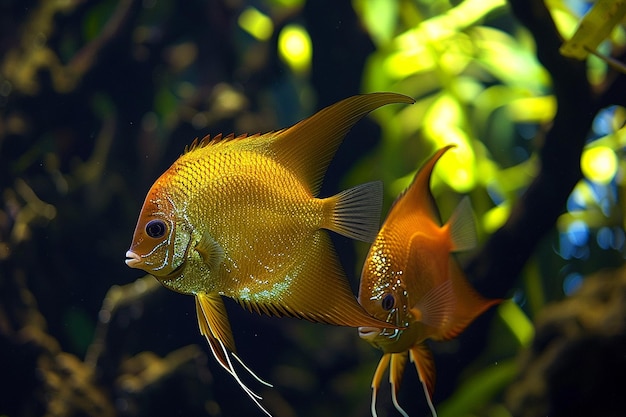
point(97, 100)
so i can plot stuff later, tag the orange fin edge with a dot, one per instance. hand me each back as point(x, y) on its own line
point(422, 357)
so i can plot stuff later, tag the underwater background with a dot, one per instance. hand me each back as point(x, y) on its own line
point(98, 98)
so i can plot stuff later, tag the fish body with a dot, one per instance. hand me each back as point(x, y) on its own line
point(411, 281)
point(240, 217)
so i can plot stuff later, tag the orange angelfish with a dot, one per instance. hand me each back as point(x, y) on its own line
point(239, 217)
point(411, 281)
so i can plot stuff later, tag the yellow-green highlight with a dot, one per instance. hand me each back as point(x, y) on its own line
point(256, 23)
point(517, 321)
point(599, 164)
point(295, 48)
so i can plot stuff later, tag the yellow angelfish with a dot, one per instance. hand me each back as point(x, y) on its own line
point(411, 281)
point(239, 217)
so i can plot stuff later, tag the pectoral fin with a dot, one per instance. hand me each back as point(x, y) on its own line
point(210, 251)
point(435, 309)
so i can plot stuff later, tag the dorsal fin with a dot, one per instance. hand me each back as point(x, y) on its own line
point(308, 146)
point(418, 198)
point(217, 139)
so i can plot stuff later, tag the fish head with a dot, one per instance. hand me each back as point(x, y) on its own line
point(391, 306)
point(162, 238)
point(383, 293)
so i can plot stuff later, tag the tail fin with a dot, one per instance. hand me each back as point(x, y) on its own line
point(355, 212)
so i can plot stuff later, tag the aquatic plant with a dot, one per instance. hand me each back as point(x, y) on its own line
point(98, 98)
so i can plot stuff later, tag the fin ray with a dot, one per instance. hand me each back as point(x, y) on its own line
point(319, 269)
point(418, 198)
point(356, 212)
point(469, 303)
point(462, 227)
point(214, 326)
point(383, 364)
point(436, 307)
point(308, 146)
point(210, 251)
point(398, 363)
point(422, 357)
point(213, 319)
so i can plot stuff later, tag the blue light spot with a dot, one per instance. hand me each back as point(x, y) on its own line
point(575, 201)
point(566, 249)
point(572, 282)
point(605, 238)
point(519, 298)
point(618, 238)
point(495, 195)
point(520, 154)
point(527, 131)
point(573, 243)
point(578, 233)
point(603, 123)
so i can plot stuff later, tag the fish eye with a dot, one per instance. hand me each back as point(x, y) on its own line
point(156, 228)
point(388, 302)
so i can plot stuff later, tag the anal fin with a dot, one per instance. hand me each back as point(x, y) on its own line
point(316, 290)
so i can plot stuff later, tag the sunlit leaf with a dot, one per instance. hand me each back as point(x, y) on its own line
point(443, 126)
point(539, 109)
point(256, 23)
point(495, 218)
point(406, 62)
point(478, 390)
point(533, 285)
point(379, 16)
point(287, 3)
point(565, 20)
point(594, 28)
point(505, 59)
point(517, 321)
point(451, 22)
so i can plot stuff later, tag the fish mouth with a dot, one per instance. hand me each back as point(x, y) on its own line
point(369, 333)
point(132, 259)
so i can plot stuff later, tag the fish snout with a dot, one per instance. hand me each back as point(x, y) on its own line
point(132, 259)
point(369, 333)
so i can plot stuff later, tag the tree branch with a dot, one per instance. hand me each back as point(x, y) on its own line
point(495, 269)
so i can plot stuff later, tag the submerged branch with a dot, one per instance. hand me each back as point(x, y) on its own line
point(496, 267)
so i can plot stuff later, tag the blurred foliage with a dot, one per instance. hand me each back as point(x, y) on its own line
point(478, 84)
point(98, 98)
